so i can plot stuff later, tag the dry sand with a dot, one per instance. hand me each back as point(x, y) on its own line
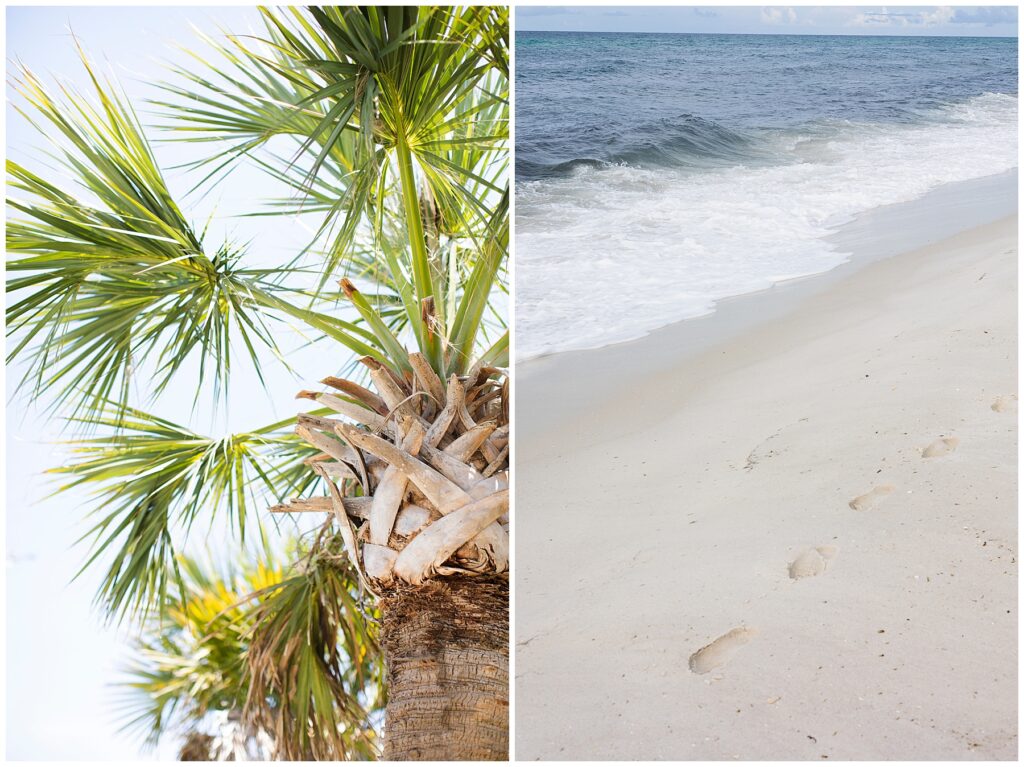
point(798, 543)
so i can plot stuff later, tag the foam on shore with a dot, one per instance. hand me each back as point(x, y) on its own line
point(607, 253)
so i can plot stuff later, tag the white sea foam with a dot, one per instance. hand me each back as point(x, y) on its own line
point(607, 255)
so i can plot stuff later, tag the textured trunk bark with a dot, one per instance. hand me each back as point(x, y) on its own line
point(446, 646)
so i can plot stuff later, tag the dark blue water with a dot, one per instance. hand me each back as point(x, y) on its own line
point(707, 100)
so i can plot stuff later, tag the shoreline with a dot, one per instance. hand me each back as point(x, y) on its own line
point(873, 235)
point(668, 488)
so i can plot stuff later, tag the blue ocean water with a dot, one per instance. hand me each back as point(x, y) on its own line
point(660, 173)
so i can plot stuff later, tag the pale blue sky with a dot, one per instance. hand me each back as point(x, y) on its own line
point(61, 660)
point(826, 20)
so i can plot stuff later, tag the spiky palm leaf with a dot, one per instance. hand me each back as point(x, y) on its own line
point(316, 677)
point(410, 113)
point(121, 279)
point(153, 479)
point(201, 660)
point(110, 280)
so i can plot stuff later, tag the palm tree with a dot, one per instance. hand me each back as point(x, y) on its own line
point(189, 674)
point(396, 119)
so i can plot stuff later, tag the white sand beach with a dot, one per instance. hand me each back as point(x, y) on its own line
point(827, 489)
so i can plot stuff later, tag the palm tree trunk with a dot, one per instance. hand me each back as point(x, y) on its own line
point(446, 647)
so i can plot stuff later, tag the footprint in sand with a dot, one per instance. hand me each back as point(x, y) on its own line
point(939, 447)
point(719, 652)
point(1005, 402)
point(871, 498)
point(812, 562)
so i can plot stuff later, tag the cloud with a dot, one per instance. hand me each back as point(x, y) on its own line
point(778, 15)
point(1003, 14)
point(541, 10)
point(877, 19)
point(887, 18)
point(931, 17)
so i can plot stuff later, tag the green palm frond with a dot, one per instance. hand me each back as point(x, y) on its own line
point(494, 36)
point(152, 479)
point(246, 94)
point(110, 283)
point(190, 672)
point(234, 97)
point(190, 659)
point(108, 278)
point(410, 111)
point(314, 653)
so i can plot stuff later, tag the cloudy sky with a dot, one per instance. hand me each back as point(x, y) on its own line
point(858, 20)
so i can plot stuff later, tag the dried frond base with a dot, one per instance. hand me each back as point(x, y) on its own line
point(417, 471)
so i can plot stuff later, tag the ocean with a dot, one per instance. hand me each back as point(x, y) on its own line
point(657, 174)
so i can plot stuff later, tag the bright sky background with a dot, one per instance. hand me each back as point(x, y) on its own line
point(777, 20)
point(60, 658)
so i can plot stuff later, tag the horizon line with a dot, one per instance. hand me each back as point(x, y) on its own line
point(763, 34)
